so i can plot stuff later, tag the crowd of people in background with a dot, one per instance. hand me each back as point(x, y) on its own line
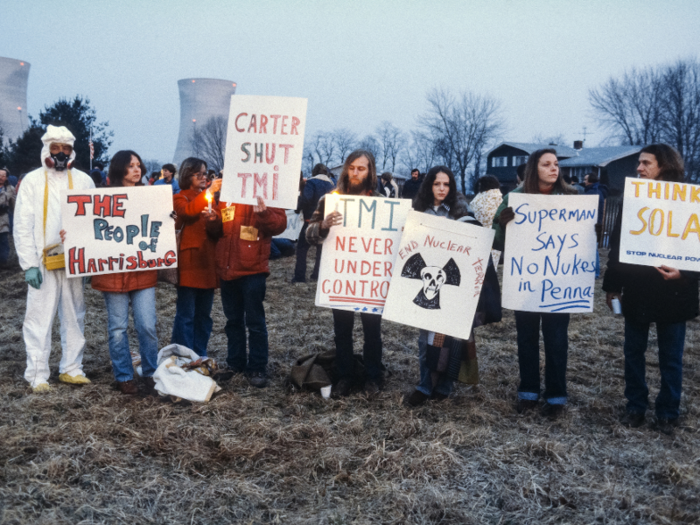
point(228, 247)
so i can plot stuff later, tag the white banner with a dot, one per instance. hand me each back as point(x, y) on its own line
point(295, 221)
point(440, 268)
point(264, 149)
point(660, 224)
point(358, 256)
point(550, 255)
point(112, 230)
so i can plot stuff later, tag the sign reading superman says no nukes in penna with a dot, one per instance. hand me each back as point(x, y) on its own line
point(358, 256)
point(440, 267)
point(112, 230)
point(660, 224)
point(549, 262)
point(264, 149)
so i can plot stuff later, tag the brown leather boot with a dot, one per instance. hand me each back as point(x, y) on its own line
point(128, 388)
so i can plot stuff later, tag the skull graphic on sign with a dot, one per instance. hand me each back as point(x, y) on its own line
point(433, 277)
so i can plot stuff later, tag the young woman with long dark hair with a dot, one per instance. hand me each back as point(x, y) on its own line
point(542, 176)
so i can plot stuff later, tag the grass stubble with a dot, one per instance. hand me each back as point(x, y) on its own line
point(91, 455)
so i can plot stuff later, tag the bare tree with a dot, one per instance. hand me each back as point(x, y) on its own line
point(152, 165)
point(421, 153)
point(460, 126)
point(371, 144)
point(344, 141)
point(659, 104)
point(681, 122)
point(323, 147)
point(391, 141)
point(630, 107)
point(209, 142)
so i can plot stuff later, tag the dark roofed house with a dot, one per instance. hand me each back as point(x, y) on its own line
point(612, 164)
point(503, 160)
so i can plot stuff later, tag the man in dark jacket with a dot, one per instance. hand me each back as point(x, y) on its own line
point(593, 187)
point(665, 296)
point(316, 187)
point(412, 185)
point(359, 177)
point(244, 234)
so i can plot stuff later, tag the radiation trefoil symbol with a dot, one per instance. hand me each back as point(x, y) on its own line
point(433, 277)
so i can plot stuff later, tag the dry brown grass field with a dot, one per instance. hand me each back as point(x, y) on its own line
point(91, 455)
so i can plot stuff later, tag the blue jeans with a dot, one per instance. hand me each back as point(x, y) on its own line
point(193, 323)
point(242, 300)
point(4, 247)
point(343, 322)
point(302, 251)
point(443, 385)
point(143, 305)
point(671, 337)
point(556, 344)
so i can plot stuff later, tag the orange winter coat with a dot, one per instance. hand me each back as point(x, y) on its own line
point(125, 281)
point(237, 257)
point(197, 256)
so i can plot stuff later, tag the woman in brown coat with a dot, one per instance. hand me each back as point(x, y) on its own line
point(196, 261)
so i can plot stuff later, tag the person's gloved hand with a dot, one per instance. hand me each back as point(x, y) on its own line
point(506, 216)
point(33, 277)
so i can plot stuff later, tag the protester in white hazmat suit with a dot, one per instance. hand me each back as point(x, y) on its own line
point(37, 225)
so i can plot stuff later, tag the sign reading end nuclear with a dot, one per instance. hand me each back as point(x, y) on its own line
point(264, 149)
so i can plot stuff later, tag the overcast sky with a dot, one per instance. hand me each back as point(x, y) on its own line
point(358, 62)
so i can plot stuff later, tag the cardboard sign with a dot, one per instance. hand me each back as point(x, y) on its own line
point(112, 230)
point(549, 262)
point(440, 268)
point(660, 224)
point(264, 148)
point(358, 256)
point(295, 222)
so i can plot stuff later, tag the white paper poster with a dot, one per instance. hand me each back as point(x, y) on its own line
point(660, 224)
point(440, 267)
point(264, 148)
point(295, 221)
point(358, 256)
point(112, 230)
point(550, 255)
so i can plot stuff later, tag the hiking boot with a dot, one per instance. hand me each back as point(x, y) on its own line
point(128, 388)
point(342, 388)
point(632, 420)
point(224, 373)
point(257, 379)
point(372, 388)
point(525, 405)
point(80, 379)
point(415, 398)
point(437, 396)
point(552, 411)
point(150, 385)
point(666, 426)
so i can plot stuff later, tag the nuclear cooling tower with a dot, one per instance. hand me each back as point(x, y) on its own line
point(14, 75)
point(200, 100)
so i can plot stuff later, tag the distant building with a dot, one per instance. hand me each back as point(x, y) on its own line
point(14, 76)
point(200, 100)
point(612, 164)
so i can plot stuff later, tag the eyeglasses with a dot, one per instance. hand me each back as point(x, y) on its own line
point(201, 175)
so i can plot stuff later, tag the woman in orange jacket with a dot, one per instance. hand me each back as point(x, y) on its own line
point(197, 258)
point(139, 288)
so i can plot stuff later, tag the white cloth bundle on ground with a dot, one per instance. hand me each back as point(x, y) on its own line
point(172, 379)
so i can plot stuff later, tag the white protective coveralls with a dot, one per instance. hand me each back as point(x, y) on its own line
point(56, 290)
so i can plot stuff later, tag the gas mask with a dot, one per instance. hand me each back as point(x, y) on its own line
point(60, 161)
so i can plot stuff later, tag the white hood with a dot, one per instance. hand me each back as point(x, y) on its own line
point(60, 135)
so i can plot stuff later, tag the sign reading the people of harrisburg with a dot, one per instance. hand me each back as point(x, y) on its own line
point(550, 256)
point(112, 230)
point(358, 256)
point(440, 267)
point(660, 224)
point(264, 149)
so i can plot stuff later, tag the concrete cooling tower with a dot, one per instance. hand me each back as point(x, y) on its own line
point(14, 75)
point(200, 100)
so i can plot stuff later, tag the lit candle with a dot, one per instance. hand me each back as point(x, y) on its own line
point(208, 196)
point(336, 202)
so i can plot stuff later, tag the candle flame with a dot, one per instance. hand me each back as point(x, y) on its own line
point(207, 196)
